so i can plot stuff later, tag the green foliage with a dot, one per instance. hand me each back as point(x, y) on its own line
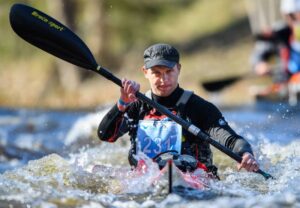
point(134, 20)
point(198, 19)
point(12, 46)
point(137, 23)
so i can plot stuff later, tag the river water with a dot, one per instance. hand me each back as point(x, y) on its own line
point(53, 159)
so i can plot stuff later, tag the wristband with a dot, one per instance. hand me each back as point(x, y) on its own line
point(122, 103)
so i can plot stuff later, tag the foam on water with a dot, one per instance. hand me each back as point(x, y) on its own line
point(80, 171)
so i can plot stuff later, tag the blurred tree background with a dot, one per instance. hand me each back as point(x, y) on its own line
point(214, 39)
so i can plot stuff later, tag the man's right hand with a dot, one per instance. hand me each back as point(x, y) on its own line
point(128, 93)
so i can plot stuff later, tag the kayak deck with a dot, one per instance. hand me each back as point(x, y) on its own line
point(198, 179)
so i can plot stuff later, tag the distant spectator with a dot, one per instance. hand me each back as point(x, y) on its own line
point(277, 50)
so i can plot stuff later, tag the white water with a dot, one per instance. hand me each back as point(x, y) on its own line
point(70, 167)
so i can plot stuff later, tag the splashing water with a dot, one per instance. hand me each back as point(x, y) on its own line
point(53, 159)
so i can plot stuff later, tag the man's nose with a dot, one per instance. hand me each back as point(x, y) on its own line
point(164, 77)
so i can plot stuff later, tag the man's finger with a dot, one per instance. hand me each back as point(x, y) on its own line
point(239, 167)
point(255, 166)
point(132, 96)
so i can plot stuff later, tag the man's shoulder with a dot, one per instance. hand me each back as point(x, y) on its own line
point(184, 98)
point(198, 100)
point(202, 112)
point(199, 104)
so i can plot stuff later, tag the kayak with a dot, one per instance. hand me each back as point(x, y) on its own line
point(198, 179)
point(172, 168)
point(149, 174)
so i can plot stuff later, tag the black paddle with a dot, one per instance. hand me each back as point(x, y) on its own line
point(219, 84)
point(53, 37)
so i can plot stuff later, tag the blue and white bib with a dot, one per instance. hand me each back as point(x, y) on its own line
point(157, 136)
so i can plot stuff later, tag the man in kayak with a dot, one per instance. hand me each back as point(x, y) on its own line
point(283, 41)
point(153, 133)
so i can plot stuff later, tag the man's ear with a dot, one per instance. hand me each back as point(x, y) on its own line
point(143, 68)
point(179, 67)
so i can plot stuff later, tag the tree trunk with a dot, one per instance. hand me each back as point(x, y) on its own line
point(68, 74)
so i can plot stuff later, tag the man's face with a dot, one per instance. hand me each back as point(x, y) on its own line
point(163, 80)
point(293, 19)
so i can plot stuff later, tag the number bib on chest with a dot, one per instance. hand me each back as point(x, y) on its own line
point(154, 137)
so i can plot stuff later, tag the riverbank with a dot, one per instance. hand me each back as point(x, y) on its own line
point(34, 84)
point(31, 78)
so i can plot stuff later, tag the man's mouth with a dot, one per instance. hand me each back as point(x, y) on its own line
point(163, 87)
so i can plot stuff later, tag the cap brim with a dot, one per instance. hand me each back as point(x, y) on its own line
point(152, 63)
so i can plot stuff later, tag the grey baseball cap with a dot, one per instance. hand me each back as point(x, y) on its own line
point(161, 54)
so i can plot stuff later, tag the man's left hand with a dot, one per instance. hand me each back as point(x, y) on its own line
point(248, 162)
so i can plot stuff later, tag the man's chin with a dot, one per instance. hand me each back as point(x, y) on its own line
point(163, 93)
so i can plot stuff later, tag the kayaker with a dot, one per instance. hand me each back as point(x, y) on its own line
point(153, 133)
point(282, 44)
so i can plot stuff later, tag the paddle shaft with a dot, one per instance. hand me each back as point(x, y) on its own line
point(186, 125)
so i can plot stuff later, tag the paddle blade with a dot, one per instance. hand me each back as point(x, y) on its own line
point(48, 34)
point(217, 85)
